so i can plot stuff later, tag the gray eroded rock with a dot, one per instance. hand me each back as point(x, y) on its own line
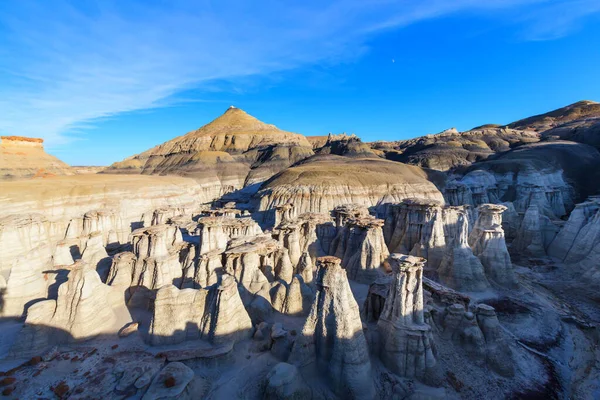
point(285, 382)
point(332, 336)
point(406, 341)
point(170, 382)
point(216, 314)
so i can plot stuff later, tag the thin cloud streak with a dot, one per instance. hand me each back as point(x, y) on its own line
point(64, 64)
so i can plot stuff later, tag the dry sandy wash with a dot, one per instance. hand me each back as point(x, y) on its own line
point(241, 261)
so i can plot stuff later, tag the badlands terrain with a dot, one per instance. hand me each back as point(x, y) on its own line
point(242, 261)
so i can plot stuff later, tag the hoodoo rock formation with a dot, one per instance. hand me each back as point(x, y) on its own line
point(215, 313)
point(241, 277)
point(360, 245)
point(332, 336)
point(488, 244)
point(406, 340)
point(84, 308)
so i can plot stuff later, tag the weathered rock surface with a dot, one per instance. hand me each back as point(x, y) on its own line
point(416, 227)
point(309, 235)
point(26, 282)
point(360, 245)
point(323, 183)
point(85, 308)
point(406, 341)
point(170, 382)
point(233, 151)
point(215, 232)
point(285, 382)
point(24, 157)
point(332, 336)
point(450, 148)
point(460, 269)
point(498, 353)
point(488, 244)
point(215, 314)
point(341, 145)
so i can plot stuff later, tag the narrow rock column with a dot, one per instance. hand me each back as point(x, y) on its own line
point(333, 337)
point(406, 340)
point(488, 244)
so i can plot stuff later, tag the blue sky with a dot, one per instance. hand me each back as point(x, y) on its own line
point(102, 80)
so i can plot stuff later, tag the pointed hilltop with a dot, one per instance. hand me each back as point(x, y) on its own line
point(232, 151)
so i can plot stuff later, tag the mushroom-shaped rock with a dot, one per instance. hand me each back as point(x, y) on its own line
point(332, 336)
point(488, 244)
point(406, 340)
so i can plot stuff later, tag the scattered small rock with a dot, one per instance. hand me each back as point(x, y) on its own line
point(128, 329)
point(8, 381)
point(61, 389)
point(8, 391)
point(35, 360)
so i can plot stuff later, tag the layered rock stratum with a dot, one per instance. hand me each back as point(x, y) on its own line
point(24, 157)
point(231, 152)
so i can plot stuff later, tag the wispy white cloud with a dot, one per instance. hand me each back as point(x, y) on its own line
point(66, 63)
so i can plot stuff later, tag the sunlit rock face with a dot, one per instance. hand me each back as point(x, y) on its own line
point(232, 152)
point(66, 212)
point(332, 338)
point(85, 308)
point(488, 244)
point(24, 157)
point(416, 227)
point(460, 268)
point(323, 183)
point(216, 314)
point(406, 340)
point(27, 281)
point(215, 232)
point(309, 235)
point(360, 245)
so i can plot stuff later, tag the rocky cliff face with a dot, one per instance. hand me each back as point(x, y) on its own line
point(233, 151)
point(24, 157)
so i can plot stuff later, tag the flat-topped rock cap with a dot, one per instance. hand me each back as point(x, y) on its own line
point(485, 309)
point(366, 222)
point(492, 208)
point(404, 261)
point(151, 230)
point(328, 261)
point(253, 244)
point(21, 139)
point(417, 201)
